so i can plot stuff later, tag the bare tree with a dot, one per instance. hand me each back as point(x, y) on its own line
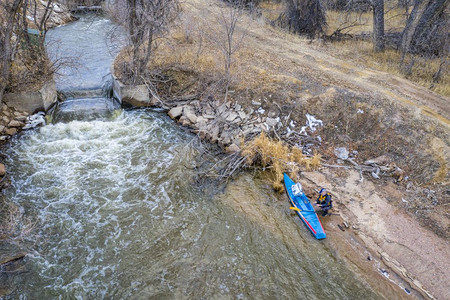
point(427, 27)
point(226, 40)
point(377, 6)
point(8, 13)
point(378, 37)
point(16, 43)
point(145, 21)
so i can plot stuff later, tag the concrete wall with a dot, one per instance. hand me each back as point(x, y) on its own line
point(134, 95)
point(32, 102)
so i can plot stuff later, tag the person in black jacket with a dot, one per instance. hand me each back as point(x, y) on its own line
point(324, 201)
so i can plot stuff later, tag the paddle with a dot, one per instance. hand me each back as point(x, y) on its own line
point(298, 209)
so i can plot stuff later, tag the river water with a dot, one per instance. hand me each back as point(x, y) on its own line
point(121, 217)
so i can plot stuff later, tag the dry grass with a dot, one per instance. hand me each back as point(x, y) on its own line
point(361, 51)
point(422, 71)
point(363, 21)
point(279, 158)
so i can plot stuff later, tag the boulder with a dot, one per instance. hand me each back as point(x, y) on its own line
point(11, 131)
point(271, 122)
point(189, 114)
point(231, 117)
point(2, 170)
point(2, 128)
point(341, 153)
point(175, 112)
point(209, 116)
point(201, 120)
point(215, 134)
point(20, 118)
point(232, 148)
point(15, 123)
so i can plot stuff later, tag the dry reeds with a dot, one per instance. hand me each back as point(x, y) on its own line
point(278, 157)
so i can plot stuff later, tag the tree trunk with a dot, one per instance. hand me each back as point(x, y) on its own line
point(422, 16)
point(5, 46)
point(378, 25)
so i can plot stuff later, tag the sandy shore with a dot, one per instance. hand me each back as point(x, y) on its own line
point(400, 250)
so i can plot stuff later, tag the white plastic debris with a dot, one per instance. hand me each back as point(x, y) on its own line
point(35, 120)
point(360, 111)
point(312, 123)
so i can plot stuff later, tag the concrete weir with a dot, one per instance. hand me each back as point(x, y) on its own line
point(134, 95)
point(33, 101)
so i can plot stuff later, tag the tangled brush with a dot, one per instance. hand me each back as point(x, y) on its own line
point(279, 158)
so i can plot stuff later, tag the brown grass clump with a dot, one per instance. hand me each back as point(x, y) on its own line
point(279, 158)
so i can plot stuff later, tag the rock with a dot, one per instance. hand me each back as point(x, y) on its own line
point(175, 112)
point(2, 128)
point(231, 117)
point(4, 138)
point(189, 114)
point(375, 175)
point(20, 118)
point(341, 153)
point(215, 134)
point(242, 115)
point(237, 107)
point(232, 148)
point(11, 131)
point(380, 160)
point(201, 119)
point(399, 173)
point(2, 170)
point(15, 123)
point(225, 138)
point(209, 116)
point(221, 109)
point(256, 103)
point(271, 122)
point(256, 130)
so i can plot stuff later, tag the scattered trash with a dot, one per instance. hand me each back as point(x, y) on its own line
point(260, 110)
point(312, 123)
point(340, 227)
point(35, 120)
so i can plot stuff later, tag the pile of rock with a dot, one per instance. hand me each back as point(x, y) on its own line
point(223, 123)
point(11, 122)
